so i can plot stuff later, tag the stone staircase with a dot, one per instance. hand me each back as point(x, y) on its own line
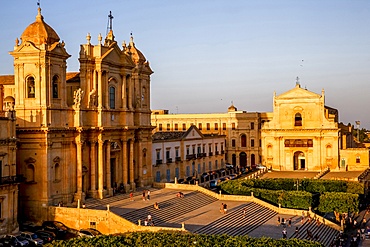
point(170, 209)
point(321, 233)
point(322, 173)
point(234, 224)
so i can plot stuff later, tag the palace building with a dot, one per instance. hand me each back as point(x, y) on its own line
point(78, 134)
point(301, 133)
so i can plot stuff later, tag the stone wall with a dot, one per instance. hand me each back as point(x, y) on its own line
point(106, 221)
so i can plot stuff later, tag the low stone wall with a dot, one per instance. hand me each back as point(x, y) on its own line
point(106, 221)
point(241, 198)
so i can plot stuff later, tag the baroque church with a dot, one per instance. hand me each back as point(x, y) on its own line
point(78, 134)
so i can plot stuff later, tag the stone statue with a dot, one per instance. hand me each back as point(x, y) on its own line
point(92, 96)
point(78, 95)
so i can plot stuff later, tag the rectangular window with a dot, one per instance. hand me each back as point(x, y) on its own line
point(204, 166)
point(168, 127)
point(176, 127)
point(158, 154)
point(252, 142)
point(210, 165)
point(177, 152)
point(167, 154)
point(252, 126)
point(199, 171)
point(223, 126)
point(199, 149)
point(216, 126)
point(160, 127)
point(233, 126)
point(358, 159)
point(93, 224)
point(200, 126)
point(193, 147)
point(112, 97)
point(233, 143)
point(210, 148)
point(187, 150)
point(168, 175)
point(158, 176)
point(208, 126)
point(177, 172)
point(188, 171)
point(183, 126)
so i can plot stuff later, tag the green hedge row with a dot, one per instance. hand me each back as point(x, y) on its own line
point(287, 199)
point(164, 239)
point(309, 185)
point(327, 202)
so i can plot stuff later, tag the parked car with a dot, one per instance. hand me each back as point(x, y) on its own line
point(15, 240)
point(46, 236)
point(32, 238)
point(260, 167)
point(89, 233)
point(56, 227)
point(229, 166)
point(233, 176)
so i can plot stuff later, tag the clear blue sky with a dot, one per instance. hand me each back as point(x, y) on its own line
point(207, 53)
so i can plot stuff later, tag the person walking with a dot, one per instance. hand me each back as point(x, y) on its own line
point(244, 212)
point(148, 194)
point(222, 208)
point(131, 196)
point(278, 220)
point(290, 222)
point(225, 208)
point(143, 195)
point(284, 233)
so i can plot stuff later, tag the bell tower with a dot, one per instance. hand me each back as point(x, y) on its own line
point(39, 75)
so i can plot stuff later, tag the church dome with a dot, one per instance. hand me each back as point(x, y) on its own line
point(39, 32)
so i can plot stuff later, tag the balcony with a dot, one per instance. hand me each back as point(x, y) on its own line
point(222, 151)
point(190, 156)
point(210, 154)
point(199, 155)
point(169, 160)
point(158, 162)
point(204, 154)
point(216, 153)
point(12, 179)
point(178, 159)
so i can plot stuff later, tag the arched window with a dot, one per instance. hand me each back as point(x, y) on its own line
point(112, 97)
point(56, 172)
point(55, 86)
point(328, 151)
point(297, 119)
point(243, 140)
point(30, 87)
point(30, 173)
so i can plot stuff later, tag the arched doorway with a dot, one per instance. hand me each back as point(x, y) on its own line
point(233, 160)
point(299, 161)
point(242, 159)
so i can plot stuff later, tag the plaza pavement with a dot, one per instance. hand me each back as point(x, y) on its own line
point(200, 214)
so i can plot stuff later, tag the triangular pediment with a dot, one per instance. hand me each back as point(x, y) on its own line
point(192, 133)
point(57, 48)
point(298, 92)
point(27, 47)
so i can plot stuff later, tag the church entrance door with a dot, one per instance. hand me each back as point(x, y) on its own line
point(299, 161)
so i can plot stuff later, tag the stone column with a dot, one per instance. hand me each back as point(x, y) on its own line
point(93, 169)
point(123, 98)
point(130, 92)
point(100, 170)
point(125, 166)
point(140, 166)
point(132, 177)
point(79, 195)
point(100, 90)
point(108, 169)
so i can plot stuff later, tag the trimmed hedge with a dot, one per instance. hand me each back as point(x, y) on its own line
point(169, 239)
point(339, 202)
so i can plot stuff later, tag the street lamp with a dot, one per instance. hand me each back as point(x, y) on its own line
point(297, 184)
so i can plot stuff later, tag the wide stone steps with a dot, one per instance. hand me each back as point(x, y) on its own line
point(321, 233)
point(234, 224)
point(170, 209)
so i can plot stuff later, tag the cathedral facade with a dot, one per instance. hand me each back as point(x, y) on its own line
point(79, 134)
